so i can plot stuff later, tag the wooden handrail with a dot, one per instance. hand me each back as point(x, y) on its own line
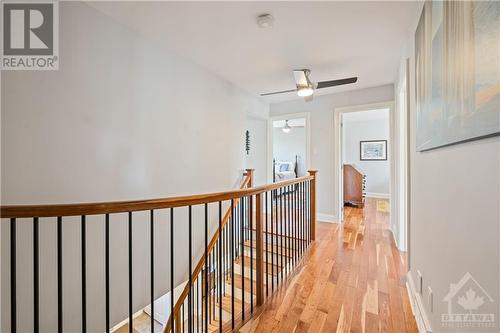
point(23, 211)
point(248, 181)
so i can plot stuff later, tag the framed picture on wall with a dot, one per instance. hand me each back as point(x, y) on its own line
point(373, 150)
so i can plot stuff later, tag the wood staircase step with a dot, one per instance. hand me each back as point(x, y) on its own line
point(276, 234)
point(246, 261)
point(238, 283)
point(271, 248)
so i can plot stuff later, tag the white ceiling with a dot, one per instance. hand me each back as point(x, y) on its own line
point(378, 114)
point(333, 39)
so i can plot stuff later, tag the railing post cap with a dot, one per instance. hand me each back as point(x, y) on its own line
point(249, 170)
point(312, 172)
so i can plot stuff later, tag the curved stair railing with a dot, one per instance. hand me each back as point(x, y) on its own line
point(256, 244)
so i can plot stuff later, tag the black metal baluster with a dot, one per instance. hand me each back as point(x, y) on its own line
point(267, 252)
point(242, 256)
point(36, 294)
point(197, 304)
point(106, 234)
point(301, 211)
point(13, 259)
point(220, 267)
point(130, 289)
point(190, 280)
point(272, 241)
point(282, 217)
point(59, 276)
point(295, 225)
point(84, 274)
point(172, 304)
point(206, 268)
point(308, 207)
point(152, 249)
point(232, 264)
point(287, 228)
point(250, 218)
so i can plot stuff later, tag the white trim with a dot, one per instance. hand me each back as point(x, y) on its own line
point(270, 129)
point(378, 195)
point(423, 323)
point(327, 218)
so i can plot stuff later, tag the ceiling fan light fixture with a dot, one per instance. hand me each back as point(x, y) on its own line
point(305, 91)
point(286, 128)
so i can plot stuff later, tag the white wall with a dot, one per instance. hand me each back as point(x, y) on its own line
point(377, 172)
point(455, 216)
point(322, 135)
point(119, 120)
point(288, 145)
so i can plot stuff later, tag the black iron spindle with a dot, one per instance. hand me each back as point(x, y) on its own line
point(84, 274)
point(172, 304)
point(242, 257)
point(267, 252)
point(190, 278)
point(59, 277)
point(106, 246)
point(206, 268)
point(250, 219)
point(281, 230)
point(130, 298)
point(272, 240)
point(232, 263)
point(220, 267)
point(152, 282)
point(13, 259)
point(36, 293)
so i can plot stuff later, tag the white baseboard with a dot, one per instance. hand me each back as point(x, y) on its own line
point(327, 218)
point(378, 195)
point(423, 323)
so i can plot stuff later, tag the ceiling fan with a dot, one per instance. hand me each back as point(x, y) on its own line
point(305, 88)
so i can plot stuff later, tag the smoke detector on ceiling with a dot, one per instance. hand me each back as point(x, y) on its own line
point(265, 20)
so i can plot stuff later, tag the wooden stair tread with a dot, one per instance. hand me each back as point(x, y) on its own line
point(238, 285)
point(226, 304)
point(246, 262)
point(276, 249)
point(275, 233)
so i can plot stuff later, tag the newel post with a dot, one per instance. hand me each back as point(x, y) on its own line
point(250, 172)
point(312, 203)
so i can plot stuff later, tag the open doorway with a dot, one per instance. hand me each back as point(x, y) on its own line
point(365, 164)
point(375, 154)
point(289, 147)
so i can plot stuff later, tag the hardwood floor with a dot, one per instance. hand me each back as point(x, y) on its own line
point(352, 280)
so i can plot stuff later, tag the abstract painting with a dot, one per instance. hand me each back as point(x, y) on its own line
point(457, 70)
point(374, 150)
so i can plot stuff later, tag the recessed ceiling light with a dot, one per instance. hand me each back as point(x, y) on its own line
point(265, 20)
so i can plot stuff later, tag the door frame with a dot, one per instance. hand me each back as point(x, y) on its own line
point(270, 139)
point(338, 143)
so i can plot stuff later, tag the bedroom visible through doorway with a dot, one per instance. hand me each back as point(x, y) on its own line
point(289, 148)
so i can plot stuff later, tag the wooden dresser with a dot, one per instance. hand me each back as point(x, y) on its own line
point(354, 186)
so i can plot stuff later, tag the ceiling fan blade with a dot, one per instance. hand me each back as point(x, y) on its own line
point(300, 77)
point(278, 92)
point(308, 98)
point(332, 83)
